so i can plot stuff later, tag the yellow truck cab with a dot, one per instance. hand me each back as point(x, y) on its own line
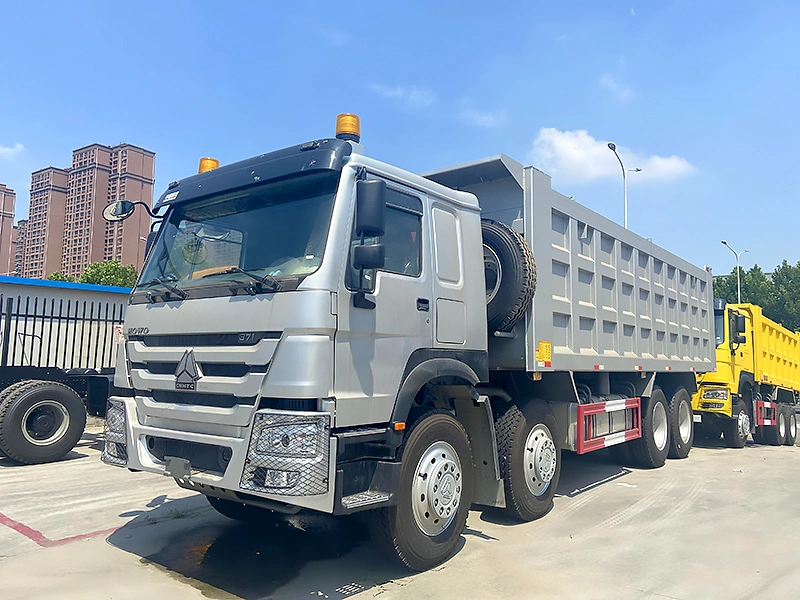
point(756, 384)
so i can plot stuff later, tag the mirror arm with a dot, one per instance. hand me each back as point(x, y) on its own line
point(360, 299)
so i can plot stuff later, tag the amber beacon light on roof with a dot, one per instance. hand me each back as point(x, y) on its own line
point(348, 127)
point(207, 164)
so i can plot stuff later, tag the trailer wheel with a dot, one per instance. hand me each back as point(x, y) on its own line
point(436, 486)
point(775, 435)
point(244, 513)
point(530, 460)
point(735, 431)
point(791, 425)
point(40, 421)
point(682, 417)
point(509, 272)
point(651, 450)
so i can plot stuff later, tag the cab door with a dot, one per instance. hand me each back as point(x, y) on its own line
point(373, 345)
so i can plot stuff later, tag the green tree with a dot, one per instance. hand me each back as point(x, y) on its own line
point(785, 308)
point(59, 276)
point(110, 273)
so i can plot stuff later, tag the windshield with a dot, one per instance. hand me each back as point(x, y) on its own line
point(275, 231)
point(719, 326)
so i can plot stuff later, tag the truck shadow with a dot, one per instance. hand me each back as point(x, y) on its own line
point(302, 555)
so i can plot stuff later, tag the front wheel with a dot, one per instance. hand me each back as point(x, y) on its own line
point(736, 430)
point(436, 486)
point(530, 460)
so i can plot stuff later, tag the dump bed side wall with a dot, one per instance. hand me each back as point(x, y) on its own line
point(776, 351)
point(607, 298)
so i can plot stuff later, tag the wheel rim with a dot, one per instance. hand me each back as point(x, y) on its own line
point(743, 425)
point(45, 423)
point(660, 428)
point(685, 422)
point(436, 491)
point(793, 425)
point(492, 272)
point(782, 425)
point(540, 460)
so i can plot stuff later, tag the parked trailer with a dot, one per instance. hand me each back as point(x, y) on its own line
point(315, 329)
point(57, 357)
point(756, 386)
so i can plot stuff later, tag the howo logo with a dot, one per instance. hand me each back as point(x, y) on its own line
point(187, 373)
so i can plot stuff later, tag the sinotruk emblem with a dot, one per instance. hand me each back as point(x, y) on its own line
point(187, 373)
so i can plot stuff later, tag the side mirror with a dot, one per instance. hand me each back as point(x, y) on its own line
point(119, 210)
point(370, 208)
point(740, 324)
point(739, 339)
point(370, 256)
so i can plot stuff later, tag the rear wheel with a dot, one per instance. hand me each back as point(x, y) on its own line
point(650, 450)
point(775, 435)
point(530, 460)
point(736, 430)
point(791, 425)
point(436, 483)
point(40, 421)
point(246, 513)
point(682, 438)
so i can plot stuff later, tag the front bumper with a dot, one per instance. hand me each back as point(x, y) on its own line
point(292, 464)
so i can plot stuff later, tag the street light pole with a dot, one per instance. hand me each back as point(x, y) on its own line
point(738, 270)
point(613, 147)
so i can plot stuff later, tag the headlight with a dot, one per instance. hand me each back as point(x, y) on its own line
point(716, 394)
point(289, 440)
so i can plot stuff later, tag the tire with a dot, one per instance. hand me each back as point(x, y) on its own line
point(650, 451)
point(244, 513)
point(436, 477)
point(736, 430)
point(40, 421)
point(775, 435)
point(791, 425)
point(510, 275)
point(530, 460)
point(682, 424)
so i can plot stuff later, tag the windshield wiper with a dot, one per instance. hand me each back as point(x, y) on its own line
point(273, 284)
point(167, 283)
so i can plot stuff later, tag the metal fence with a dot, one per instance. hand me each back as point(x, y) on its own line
point(59, 332)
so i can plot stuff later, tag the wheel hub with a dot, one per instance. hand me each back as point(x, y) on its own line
point(540, 460)
point(44, 423)
point(492, 272)
point(744, 424)
point(436, 490)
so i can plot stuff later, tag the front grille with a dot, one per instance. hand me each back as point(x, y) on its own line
point(209, 369)
point(249, 338)
point(199, 399)
point(204, 457)
point(289, 404)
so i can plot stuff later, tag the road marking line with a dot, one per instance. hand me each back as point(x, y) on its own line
point(42, 540)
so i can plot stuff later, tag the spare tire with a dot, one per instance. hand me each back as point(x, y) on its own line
point(510, 275)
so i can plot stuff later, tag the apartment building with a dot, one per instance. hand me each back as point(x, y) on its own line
point(7, 199)
point(67, 232)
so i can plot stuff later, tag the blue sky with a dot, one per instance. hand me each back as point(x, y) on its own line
point(702, 95)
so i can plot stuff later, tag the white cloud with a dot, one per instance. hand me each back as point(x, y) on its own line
point(576, 156)
point(633, 13)
point(480, 118)
point(620, 91)
point(11, 151)
point(410, 95)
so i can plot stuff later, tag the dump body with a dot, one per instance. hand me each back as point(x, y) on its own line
point(606, 299)
point(776, 351)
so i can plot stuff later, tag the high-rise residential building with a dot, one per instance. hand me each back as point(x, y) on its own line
point(7, 198)
point(45, 233)
point(98, 175)
point(20, 235)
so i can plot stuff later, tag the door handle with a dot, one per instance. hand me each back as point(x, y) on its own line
point(423, 304)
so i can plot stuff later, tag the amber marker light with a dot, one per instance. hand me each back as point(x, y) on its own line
point(207, 164)
point(348, 127)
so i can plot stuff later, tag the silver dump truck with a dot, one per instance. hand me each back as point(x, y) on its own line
point(315, 329)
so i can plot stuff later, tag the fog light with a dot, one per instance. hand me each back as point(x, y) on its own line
point(280, 479)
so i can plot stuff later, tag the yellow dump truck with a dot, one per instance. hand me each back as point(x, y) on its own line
point(756, 385)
